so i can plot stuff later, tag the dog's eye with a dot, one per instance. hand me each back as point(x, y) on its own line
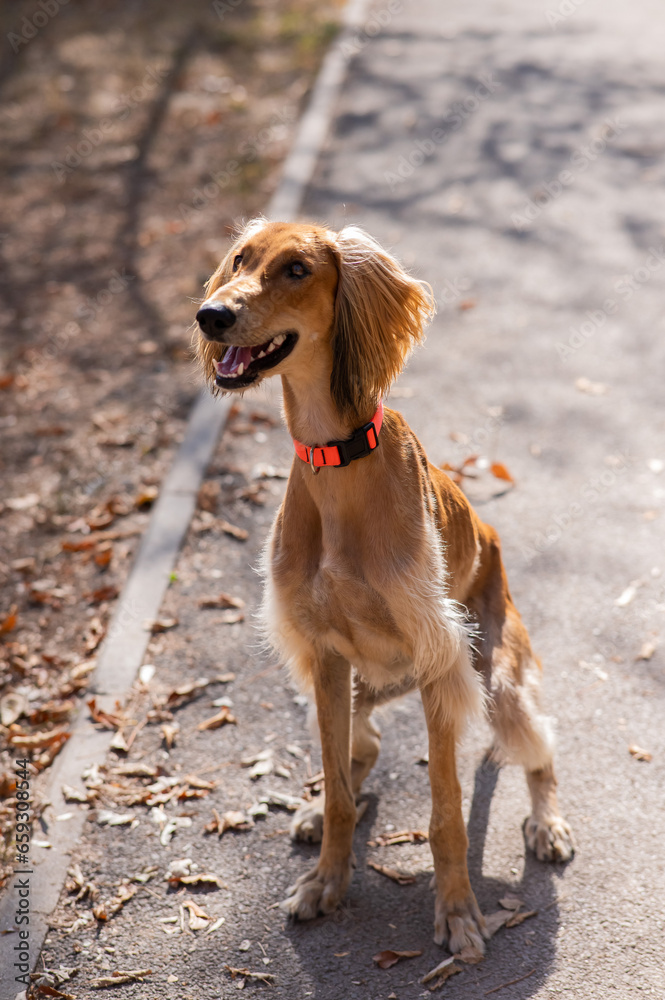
point(237, 261)
point(297, 270)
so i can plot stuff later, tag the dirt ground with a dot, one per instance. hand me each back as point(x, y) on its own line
point(134, 138)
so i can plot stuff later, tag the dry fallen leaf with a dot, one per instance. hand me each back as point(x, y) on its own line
point(12, 706)
point(8, 624)
point(198, 918)
point(104, 911)
point(170, 732)
point(262, 977)
point(385, 959)
point(221, 601)
point(160, 625)
point(392, 873)
point(232, 820)
point(647, 651)
point(518, 917)
point(103, 718)
point(444, 970)
point(499, 471)
point(231, 529)
point(400, 837)
point(186, 692)
point(639, 754)
point(222, 718)
point(120, 977)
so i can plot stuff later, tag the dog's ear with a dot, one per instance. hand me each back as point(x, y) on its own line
point(380, 313)
point(208, 353)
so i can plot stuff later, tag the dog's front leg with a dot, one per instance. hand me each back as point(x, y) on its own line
point(458, 920)
point(322, 888)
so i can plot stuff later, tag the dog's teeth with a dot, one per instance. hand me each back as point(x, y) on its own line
point(241, 368)
point(278, 341)
point(261, 354)
point(271, 347)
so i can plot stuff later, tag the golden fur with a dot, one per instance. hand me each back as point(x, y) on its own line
point(374, 571)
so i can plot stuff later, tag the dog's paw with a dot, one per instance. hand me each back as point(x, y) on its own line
point(317, 892)
point(459, 925)
point(550, 839)
point(307, 823)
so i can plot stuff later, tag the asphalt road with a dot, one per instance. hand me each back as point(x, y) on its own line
point(514, 159)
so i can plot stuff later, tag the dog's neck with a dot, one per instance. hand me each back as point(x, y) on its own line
point(310, 413)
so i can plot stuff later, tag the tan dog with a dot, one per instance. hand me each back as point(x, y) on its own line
point(375, 567)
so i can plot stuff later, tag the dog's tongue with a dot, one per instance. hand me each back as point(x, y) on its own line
point(233, 358)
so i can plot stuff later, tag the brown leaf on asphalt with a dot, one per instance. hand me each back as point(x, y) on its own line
point(232, 820)
point(103, 718)
point(518, 917)
point(71, 794)
point(107, 817)
point(108, 593)
point(255, 493)
point(170, 732)
point(392, 873)
point(231, 529)
point(186, 692)
point(145, 497)
point(202, 878)
point(385, 959)
point(470, 954)
point(8, 624)
point(647, 651)
point(262, 977)
point(157, 625)
point(208, 496)
point(104, 911)
point(222, 718)
point(499, 471)
point(198, 918)
point(509, 902)
point(400, 837)
point(51, 711)
point(50, 991)
point(438, 970)
point(639, 754)
point(120, 977)
point(221, 601)
point(131, 769)
point(494, 921)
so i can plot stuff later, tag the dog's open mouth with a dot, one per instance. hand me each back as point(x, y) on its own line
point(240, 366)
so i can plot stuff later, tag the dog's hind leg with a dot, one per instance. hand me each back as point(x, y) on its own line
point(512, 674)
point(307, 823)
point(321, 889)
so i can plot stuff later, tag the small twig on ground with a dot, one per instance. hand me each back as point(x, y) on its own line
point(511, 982)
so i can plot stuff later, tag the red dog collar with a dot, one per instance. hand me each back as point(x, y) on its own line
point(341, 453)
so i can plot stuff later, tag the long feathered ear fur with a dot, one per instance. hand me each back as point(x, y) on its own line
point(208, 353)
point(380, 313)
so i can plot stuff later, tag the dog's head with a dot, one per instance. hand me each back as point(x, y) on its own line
point(295, 298)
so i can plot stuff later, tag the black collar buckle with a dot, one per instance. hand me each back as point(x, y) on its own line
point(357, 446)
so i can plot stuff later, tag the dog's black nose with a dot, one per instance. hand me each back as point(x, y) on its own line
point(214, 320)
